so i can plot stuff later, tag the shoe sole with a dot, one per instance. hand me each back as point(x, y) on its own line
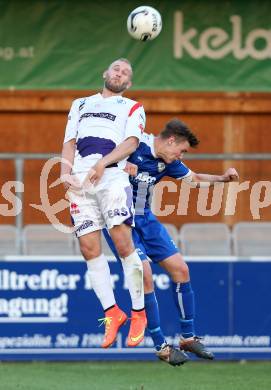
point(198, 354)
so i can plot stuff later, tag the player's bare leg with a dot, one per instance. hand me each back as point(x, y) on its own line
point(99, 274)
point(133, 272)
point(184, 300)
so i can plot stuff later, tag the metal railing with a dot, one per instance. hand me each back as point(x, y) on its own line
point(19, 159)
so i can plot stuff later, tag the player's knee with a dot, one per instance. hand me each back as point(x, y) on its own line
point(185, 271)
point(180, 273)
point(122, 239)
point(124, 248)
point(123, 252)
point(147, 277)
point(89, 251)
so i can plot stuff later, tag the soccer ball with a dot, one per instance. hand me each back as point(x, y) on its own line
point(144, 23)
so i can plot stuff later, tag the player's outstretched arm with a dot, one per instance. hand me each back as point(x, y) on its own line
point(122, 151)
point(67, 158)
point(205, 180)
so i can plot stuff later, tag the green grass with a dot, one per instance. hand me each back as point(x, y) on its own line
point(135, 376)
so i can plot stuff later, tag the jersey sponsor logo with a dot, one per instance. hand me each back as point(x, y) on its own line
point(82, 103)
point(161, 166)
point(173, 243)
point(84, 226)
point(139, 251)
point(145, 177)
point(103, 115)
point(122, 212)
point(74, 208)
point(121, 101)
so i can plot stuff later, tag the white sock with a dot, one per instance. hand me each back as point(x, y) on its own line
point(100, 279)
point(133, 272)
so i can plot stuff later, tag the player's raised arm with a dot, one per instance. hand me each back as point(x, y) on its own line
point(67, 158)
point(69, 146)
point(122, 151)
point(205, 180)
point(172, 144)
point(135, 126)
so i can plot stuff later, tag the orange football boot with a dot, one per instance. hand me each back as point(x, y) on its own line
point(137, 328)
point(114, 319)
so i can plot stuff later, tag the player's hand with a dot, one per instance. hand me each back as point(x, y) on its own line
point(130, 168)
point(70, 182)
point(231, 175)
point(96, 172)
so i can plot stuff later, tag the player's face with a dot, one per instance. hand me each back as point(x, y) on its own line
point(174, 150)
point(118, 77)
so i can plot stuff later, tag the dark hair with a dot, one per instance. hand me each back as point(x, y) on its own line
point(180, 131)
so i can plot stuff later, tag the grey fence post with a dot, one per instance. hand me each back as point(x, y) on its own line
point(19, 173)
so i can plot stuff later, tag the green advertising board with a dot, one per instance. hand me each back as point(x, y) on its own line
point(203, 46)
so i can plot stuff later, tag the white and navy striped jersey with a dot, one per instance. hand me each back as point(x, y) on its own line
point(99, 125)
point(151, 170)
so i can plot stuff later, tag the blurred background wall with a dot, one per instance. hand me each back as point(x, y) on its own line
point(209, 67)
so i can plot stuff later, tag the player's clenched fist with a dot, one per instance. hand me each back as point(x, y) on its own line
point(231, 175)
point(131, 169)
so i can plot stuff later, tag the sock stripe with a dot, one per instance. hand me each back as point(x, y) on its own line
point(180, 301)
point(154, 330)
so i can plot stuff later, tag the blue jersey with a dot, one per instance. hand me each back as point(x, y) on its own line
point(150, 171)
point(150, 237)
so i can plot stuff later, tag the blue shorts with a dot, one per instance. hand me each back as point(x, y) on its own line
point(150, 237)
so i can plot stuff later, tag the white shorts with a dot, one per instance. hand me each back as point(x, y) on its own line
point(108, 204)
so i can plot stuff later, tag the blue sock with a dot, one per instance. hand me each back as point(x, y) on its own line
point(153, 320)
point(184, 300)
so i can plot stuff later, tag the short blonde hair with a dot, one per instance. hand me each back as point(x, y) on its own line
point(122, 59)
